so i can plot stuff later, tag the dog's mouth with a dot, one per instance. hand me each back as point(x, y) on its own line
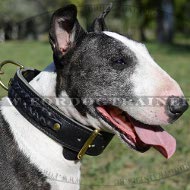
point(137, 135)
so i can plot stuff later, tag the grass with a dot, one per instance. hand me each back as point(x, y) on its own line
point(30, 54)
point(120, 168)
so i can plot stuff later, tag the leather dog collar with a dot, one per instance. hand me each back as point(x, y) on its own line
point(77, 139)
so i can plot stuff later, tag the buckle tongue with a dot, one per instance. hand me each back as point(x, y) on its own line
point(88, 143)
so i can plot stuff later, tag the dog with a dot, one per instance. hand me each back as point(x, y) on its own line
point(117, 75)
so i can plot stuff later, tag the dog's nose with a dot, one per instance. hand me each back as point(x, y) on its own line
point(177, 105)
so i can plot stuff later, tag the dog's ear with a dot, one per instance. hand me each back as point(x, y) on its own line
point(99, 24)
point(65, 29)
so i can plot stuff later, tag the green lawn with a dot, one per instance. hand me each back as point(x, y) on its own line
point(120, 168)
point(30, 54)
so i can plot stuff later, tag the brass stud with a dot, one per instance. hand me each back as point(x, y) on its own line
point(56, 127)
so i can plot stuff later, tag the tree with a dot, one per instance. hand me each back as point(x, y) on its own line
point(164, 18)
point(165, 21)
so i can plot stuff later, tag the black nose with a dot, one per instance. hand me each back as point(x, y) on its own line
point(177, 105)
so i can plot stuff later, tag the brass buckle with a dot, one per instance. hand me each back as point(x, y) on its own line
point(1, 72)
point(88, 143)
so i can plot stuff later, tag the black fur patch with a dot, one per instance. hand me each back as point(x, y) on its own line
point(93, 70)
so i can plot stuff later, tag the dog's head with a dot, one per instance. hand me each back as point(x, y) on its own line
point(119, 85)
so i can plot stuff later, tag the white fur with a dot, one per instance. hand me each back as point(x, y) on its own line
point(72, 112)
point(149, 80)
point(45, 153)
point(148, 77)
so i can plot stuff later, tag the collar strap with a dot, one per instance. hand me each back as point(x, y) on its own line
point(77, 139)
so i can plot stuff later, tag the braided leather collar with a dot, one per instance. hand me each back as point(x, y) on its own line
point(72, 135)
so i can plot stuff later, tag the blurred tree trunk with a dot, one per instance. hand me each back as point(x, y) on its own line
point(143, 20)
point(119, 8)
point(87, 12)
point(165, 21)
point(8, 30)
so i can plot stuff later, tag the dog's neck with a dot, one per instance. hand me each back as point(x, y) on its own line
point(42, 151)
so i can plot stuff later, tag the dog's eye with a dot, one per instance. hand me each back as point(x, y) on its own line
point(119, 64)
point(120, 61)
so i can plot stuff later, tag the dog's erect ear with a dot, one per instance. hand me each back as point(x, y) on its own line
point(65, 29)
point(99, 24)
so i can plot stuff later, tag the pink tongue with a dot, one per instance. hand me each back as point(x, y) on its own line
point(150, 135)
point(158, 138)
